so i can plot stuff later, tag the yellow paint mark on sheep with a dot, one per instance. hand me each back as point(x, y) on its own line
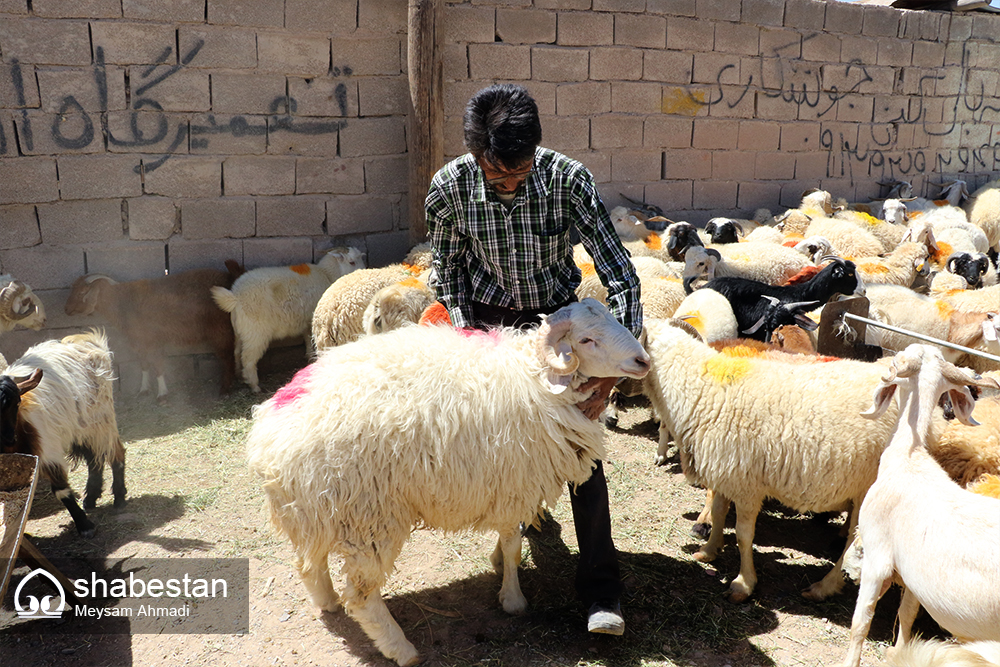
point(301, 269)
point(944, 310)
point(742, 351)
point(654, 242)
point(683, 102)
point(587, 269)
point(726, 370)
point(987, 485)
point(873, 268)
point(870, 219)
point(694, 319)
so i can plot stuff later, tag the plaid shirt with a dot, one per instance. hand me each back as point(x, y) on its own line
point(522, 258)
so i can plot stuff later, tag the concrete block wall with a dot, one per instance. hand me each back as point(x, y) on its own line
point(707, 108)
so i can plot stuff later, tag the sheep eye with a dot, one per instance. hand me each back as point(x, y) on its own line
point(584, 341)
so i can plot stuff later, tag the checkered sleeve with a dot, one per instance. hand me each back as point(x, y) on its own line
point(449, 257)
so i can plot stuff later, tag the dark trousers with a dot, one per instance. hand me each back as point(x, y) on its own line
point(597, 575)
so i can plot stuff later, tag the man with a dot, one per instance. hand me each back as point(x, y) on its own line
point(499, 220)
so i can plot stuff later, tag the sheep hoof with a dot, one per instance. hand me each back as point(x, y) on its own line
point(88, 533)
point(660, 460)
point(816, 593)
point(703, 556)
point(410, 662)
point(702, 530)
point(516, 606)
point(737, 596)
point(89, 503)
point(120, 502)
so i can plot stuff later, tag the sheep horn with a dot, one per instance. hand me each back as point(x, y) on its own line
point(955, 375)
point(550, 333)
point(26, 383)
point(950, 265)
point(7, 297)
point(832, 258)
point(738, 226)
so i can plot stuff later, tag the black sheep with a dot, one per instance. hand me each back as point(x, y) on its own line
point(970, 267)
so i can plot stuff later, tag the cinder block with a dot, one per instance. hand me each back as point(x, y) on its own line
point(805, 14)
point(844, 18)
point(85, 221)
point(641, 30)
point(687, 164)
point(636, 97)
point(383, 96)
point(248, 93)
point(185, 90)
point(736, 102)
point(690, 35)
point(733, 167)
point(989, 56)
point(128, 260)
point(99, 177)
point(560, 64)
point(467, 24)
point(17, 86)
point(290, 216)
point(670, 195)
point(217, 218)
point(895, 53)
point(525, 26)
point(293, 54)
point(574, 99)
point(373, 136)
point(489, 62)
point(258, 13)
point(303, 136)
point(369, 57)
point(667, 132)
point(19, 228)
point(856, 108)
point(774, 166)
point(614, 131)
point(857, 50)
point(48, 134)
point(384, 17)
point(957, 54)
point(56, 86)
point(278, 251)
point(667, 66)
point(455, 62)
point(44, 266)
point(780, 42)
point(87, 9)
point(715, 133)
point(585, 29)
point(715, 68)
point(562, 133)
point(986, 27)
point(387, 175)
point(960, 28)
point(13, 6)
point(346, 214)
point(150, 138)
point(563, 4)
point(259, 175)
point(753, 195)
point(151, 218)
point(800, 137)
point(45, 42)
point(686, 101)
point(763, 12)
point(326, 16)
point(718, 10)
point(186, 176)
point(714, 194)
point(775, 108)
point(881, 21)
point(672, 7)
point(229, 47)
point(134, 43)
point(192, 11)
point(891, 108)
point(545, 96)
point(636, 166)
point(635, 6)
point(219, 134)
point(616, 64)
point(184, 254)
point(389, 248)
point(329, 175)
point(758, 135)
point(811, 165)
point(8, 138)
point(26, 180)
point(821, 47)
point(737, 38)
point(324, 96)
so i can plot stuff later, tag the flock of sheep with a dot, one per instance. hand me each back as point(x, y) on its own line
point(727, 360)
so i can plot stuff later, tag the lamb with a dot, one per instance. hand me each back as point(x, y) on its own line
point(765, 234)
point(276, 302)
point(743, 434)
point(764, 262)
point(19, 306)
point(970, 266)
point(724, 230)
point(964, 452)
point(933, 653)
point(396, 305)
point(848, 238)
point(352, 466)
point(899, 267)
point(983, 208)
point(912, 498)
point(175, 312)
point(56, 403)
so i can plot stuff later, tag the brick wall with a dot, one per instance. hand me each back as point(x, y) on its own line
point(138, 136)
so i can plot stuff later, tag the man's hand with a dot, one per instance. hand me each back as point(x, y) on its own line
point(593, 407)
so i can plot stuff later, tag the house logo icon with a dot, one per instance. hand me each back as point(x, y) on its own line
point(47, 607)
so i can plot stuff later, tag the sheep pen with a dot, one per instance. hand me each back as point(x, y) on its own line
point(190, 493)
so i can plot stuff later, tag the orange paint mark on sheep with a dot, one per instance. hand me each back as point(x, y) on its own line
point(944, 310)
point(301, 269)
point(870, 219)
point(987, 485)
point(743, 350)
point(411, 282)
point(873, 268)
point(653, 242)
point(412, 269)
point(805, 275)
point(587, 269)
point(694, 319)
point(942, 253)
point(435, 314)
point(726, 370)
point(941, 202)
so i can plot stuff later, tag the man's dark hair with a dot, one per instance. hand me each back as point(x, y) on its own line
point(502, 126)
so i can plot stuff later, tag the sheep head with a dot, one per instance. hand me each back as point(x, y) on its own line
point(699, 261)
point(780, 314)
point(584, 339)
point(11, 391)
point(970, 267)
point(20, 306)
point(85, 294)
point(724, 230)
point(680, 237)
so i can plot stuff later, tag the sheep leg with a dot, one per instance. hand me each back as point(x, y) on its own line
point(95, 479)
point(663, 446)
point(144, 385)
point(746, 523)
point(161, 388)
point(875, 581)
point(720, 507)
point(703, 524)
point(363, 601)
point(253, 350)
point(56, 474)
point(314, 569)
point(118, 475)
point(833, 582)
point(909, 605)
point(511, 598)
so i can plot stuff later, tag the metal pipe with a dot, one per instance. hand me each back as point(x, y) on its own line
point(928, 339)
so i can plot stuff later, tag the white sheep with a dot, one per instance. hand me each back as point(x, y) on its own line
point(354, 454)
point(67, 410)
point(751, 427)
point(849, 238)
point(765, 262)
point(275, 302)
point(967, 452)
point(900, 267)
point(956, 574)
point(710, 314)
point(398, 304)
point(983, 208)
point(934, 653)
point(19, 306)
point(765, 234)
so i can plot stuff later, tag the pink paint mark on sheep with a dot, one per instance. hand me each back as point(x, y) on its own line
point(490, 335)
point(294, 389)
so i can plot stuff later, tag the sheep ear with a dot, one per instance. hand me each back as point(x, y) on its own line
point(962, 404)
point(991, 328)
point(880, 400)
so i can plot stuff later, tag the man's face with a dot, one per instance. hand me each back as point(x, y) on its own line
point(504, 182)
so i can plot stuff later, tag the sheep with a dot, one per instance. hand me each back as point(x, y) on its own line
point(972, 267)
point(681, 236)
point(837, 277)
point(983, 209)
point(900, 267)
point(742, 433)
point(848, 238)
point(933, 653)
point(815, 248)
point(276, 302)
point(396, 305)
point(628, 226)
point(724, 230)
point(764, 262)
point(66, 410)
point(353, 454)
point(709, 313)
point(765, 234)
point(964, 452)
point(19, 306)
point(175, 312)
point(887, 230)
point(912, 498)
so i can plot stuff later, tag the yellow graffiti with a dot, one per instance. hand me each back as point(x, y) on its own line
point(683, 102)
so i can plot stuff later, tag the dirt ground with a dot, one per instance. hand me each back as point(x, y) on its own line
point(190, 495)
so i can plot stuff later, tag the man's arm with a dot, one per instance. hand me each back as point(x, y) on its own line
point(449, 259)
